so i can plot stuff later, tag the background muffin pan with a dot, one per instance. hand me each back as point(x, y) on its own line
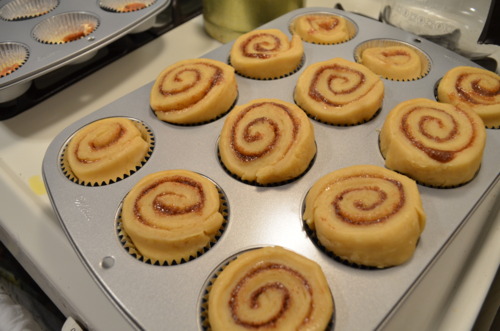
point(36, 34)
point(154, 297)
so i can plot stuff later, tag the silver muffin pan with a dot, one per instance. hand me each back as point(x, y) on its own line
point(44, 57)
point(156, 297)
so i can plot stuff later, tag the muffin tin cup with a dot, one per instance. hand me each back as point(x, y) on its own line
point(12, 57)
point(365, 299)
point(146, 134)
point(65, 28)
point(125, 6)
point(130, 247)
point(204, 322)
point(26, 9)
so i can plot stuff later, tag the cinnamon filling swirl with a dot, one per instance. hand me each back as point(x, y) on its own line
point(437, 144)
point(172, 215)
point(193, 91)
point(267, 141)
point(366, 215)
point(270, 288)
point(475, 89)
point(339, 92)
point(266, 54)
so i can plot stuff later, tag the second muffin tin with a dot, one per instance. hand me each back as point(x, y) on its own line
point(158, 297)
point(35, 35)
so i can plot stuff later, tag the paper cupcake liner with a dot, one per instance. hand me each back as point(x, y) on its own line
point(125, 6)
point(314, 239)
point(352, 29)
point(204, 322)
point(12, 57)
point(255, 183)
point(437, 186)
point(299, 66)
point(65, 27)
point(424, 59)
point(129, 246)
point(25, 9)
point(66, 169)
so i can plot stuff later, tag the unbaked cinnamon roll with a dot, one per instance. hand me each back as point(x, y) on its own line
point(106, 150)
point(339, 91)
point(322, 28)
point(266, 54)
point(172, 215)
point(194, 91)
point(366, 215)
point(270, 288)
point(475, 89)
point(267, 141)
point(436, 144)
point(398, 62)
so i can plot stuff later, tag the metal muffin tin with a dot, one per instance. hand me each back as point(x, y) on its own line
point(44, 58)
point(157, 297)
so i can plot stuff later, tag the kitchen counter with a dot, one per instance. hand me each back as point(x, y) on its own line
point(459, 280)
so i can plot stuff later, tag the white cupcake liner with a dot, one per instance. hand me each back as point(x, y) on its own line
point(66, 27)
point(125, 6)
point(26, 9)
point(12, 57)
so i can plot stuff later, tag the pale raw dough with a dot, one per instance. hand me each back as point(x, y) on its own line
point(106, 150)
point(266, 54)
point(473, 88)
point(194, 91)
point(339, 91)
point(322, 28)
point(436, 144)
point(172, 215)
point(367, 215)
point(291, 290)
point(267, 141)
point(393, 62)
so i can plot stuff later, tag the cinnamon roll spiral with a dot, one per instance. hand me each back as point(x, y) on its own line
point(266, 54)
point(172, 215)
point(398, 62)
point(473, 88)
point(267, 141)
point(436, 144)
point(339, 91)
point(322, 28)
point(194, 91)
point(270, 288)
point(367, 215)
point(106, 150)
